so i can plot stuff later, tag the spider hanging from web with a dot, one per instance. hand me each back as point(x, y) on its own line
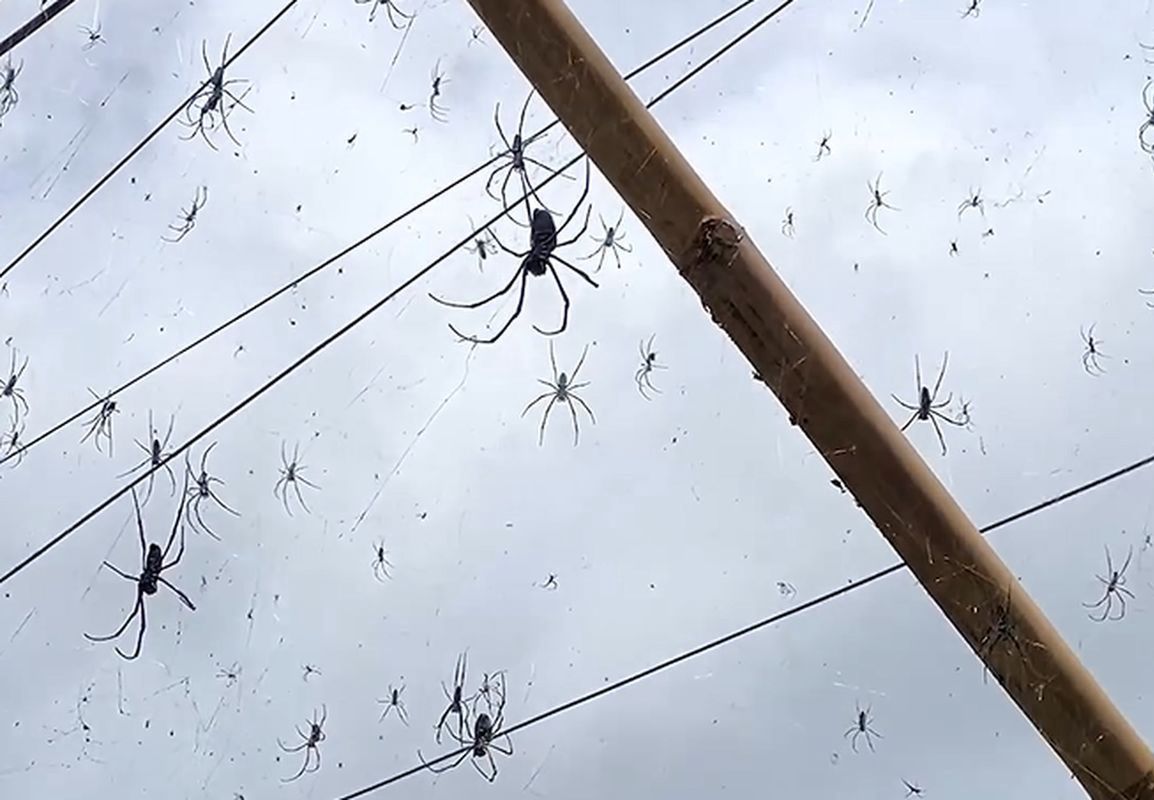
point(9, 97)
point(394, 13)
point(437, 111)
point(877, 203)
point(562, 389)
point(381, 563)
point(483, 245)
point(92, 36)
point(973, 200)
point(10, 447)
point(610, 241)
point(156, 458)
point(187, 219)
point(309, 743)
point(10, 388)
point(536, 261)
point(517, 160)
point(100, 426)
point(290, 475)
point(648, 364)
point(458, 703)
point(973, 9)
point(208, 109)
point(486, 729)
point(201, 492)
point(1115, 590)
point(927, 408)
point(394, 701)
point(823, 148)
point(1147, 146)
point(862, 728)
point(1091, 358)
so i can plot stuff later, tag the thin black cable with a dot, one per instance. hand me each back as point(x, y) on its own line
point(97, 403)
point(39, 552)
point(140, 145)
point(778, 617)
point(42, 18)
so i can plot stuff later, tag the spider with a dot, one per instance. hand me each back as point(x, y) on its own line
point(188, 220)
point(307, 670)
point(953, 248)
point(537, 260)
point(926, 407)
point(153, 565)
point(394, 701)
point(1090, 359)
point(610, 241)
point(390, 9)
point(212, 97)
point(551, 583)
point(9, 97)
point(156, 457)
point(457, 703)
point(973, 200)
point(437, 112)
point(862, 726)
point(483, 245)
point(101, 425)
point(486, 728)
point(309, 743)
point(290, 474)
point(202, 491)
point(10, 388)
point(562, 389)
point(1147, 146)
point(515, 153)
point(648, 364)
point(381, 563)
point(912, 789)
point(877, 203)
point(230, 675)
point(1115, 589)
point(413, 132)
point(488, 688)
point(1001, 630)
point(10, 447)
point(787, 228)
point(823, 148)
point(973, 9)
point(92, 35)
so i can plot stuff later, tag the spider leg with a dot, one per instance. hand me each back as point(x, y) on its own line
point(903, 403)
point(492, 177)
point(938, 430)
point(545, 420)
point(301, 479)
point(124, 625)
point(580, 272)
point(909, 421)
point(649, 383)
point(302, 746)
point(196, 520)
point(520, 273)
point(441, 721)
point(573, 413)
point(564, 307)
point(446, 768)
point(942, 374)
point(490, 777)
point(300, 497)
point(585, 406)
point(538, 400)
point(637, 377)
point(139, 633)
point(139, 525)
point(122, 573)
point(524, 274)
point(183, 597)
point(301, 771)
point(580, 233)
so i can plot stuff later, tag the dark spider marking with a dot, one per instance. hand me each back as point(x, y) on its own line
point(394, 701)
point(823, 148)
point(862, 727)
point(150, 578)
point(203, 119)
point(1090, 359)
point(877, 203)
point(156, 456)
point(458, 704)
point(973, 200)
point(202, 491)
point(381, 563)
point(537, 260)
point(562, 389)
point(290, 472)
point(309, 743)
point(437, 112)
point(188, 216)
point(101, 425)
point(787, 227)
point(12, 390)
point(611, 240)
point(1115, 589)
point(481, 745)
point(9, 97)
point(390, 9)
point(648, 364)
point(927, 409)
point(517, 160)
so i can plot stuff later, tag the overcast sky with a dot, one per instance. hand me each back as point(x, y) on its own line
point(674, 520)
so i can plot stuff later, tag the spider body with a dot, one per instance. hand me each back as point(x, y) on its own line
point(437, 111)
point(648, 364)
point(486, 728)
point(394, 701)
point(877, 203)
point(150, 578)
point(9, 97)
point(610, 241)
point(202, 491)
point(516, 162)
point(381, 563)
point(11, 389)
point(100, 426)
point(823, 148)
point(927, 407)
point(156, 456)
point(862, 728)
point(203, 118)
point(562, 390)
point(188, 216)
point(1115, 590)
point(1091, 358)
point(309, 743)
point(290, 475)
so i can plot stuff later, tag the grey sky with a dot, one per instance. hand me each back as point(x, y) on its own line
point(673, 520)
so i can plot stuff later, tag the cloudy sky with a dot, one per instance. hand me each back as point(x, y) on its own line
point(674, 520)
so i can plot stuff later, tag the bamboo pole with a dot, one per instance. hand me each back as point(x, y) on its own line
point(823, 395)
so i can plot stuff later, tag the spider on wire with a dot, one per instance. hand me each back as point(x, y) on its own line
point(436, 111)
point(562, 389)
point(877, 203)
point(11, 390)
point(609, 241)
point(381, 563)
point(155, 458)
point(481, 744)
point(153, 566)
point(1115, 590)
point(9, 97)
point(927, 408)
point(862, 728)
point(203, 118)
point(188, 216)
point(290, 475)
point(100, 426)
point(648, 364)
point(309, 742)
point(202, 491)
point(394, 701)
point(391, 10)
point(536, 261)
point(517, 160)
point(1091, 358)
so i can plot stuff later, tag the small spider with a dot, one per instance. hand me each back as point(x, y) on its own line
point(9, 97)
point(307, 670)
point(610, 241)
point(101, 425)
point(458, 704)
point(290, 475)
point(823, 148)
point(927, 409)
point(987, 233)
point(551, 583)
point(231, 675)
point(476, 32)
point(483, 245)
point(787, 228)
point(413, 132)
point(11, 389)
point(517, 160)
point(156, 458)
point(394, 701)
point(1091, 358)
point(486, 728)
point(437, 112)
point(10, 447)
point(211, 98)
point(92, 36)
point(309, 743)
point(648, 364)
point(562, 390)
point(1115, 590)
point(973, 200)
point(786, 589)
point(1147, 146)
point(972, 10)
point(953, 248)
point(391, 9)
point(150, 578)
point(202, 491)
point(877, 203)
point(912, 789)
point(1001, 630)
point(862, 727)
point(381, 563)
point(188, 216)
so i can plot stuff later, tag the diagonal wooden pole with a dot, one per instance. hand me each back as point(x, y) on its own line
point(823, 395)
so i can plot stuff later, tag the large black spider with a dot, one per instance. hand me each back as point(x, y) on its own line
point(537, 260)
point(212, 100)
point(486, 728)
point(515, 153)
point(153, 564)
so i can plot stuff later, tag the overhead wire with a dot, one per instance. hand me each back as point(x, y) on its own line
point(42, 18)
point(142, 143)
point(344, 329)
point(328, 262)
point(748, 629)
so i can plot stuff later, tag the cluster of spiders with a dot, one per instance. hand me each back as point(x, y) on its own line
point(11, 390)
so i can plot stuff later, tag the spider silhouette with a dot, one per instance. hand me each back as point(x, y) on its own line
point(912, 789)
point(1115, 590)
point(1091, 359)
point(562, 390)
point(536, 261)
point(152, 566)
point(391, 10)
point(877, 203)
point(381, 563)
point(973, 200)
point(483, 245)
point(201, 492)
point(823, 148)
point(203, 110)
point(394, 701)
point(1001, 630)
point(458, 703)
point(862, 728)
point(517, 160)
point(10, 388)
point(973, 9)
point(92, 36)
point(610, 241)
point(1147, 146)
point(10, 447)
point(290, 475)
point(436, 111)
point(481, 745)
point(927, 408)
point(188, 216)
point(309, 742)
point(9, 97)
point(156, 458)
point(648, 364)
point(100, 426)
point(787, 226)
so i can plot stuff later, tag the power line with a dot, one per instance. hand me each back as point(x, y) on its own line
point(141, 144)
point(39, 552)
point(98, 402)
point(756, 626)
point(42, 18)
